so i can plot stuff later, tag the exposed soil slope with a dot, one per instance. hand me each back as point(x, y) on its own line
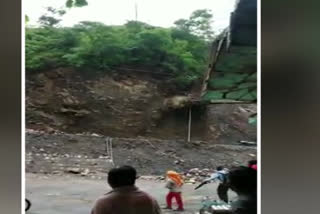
point(125, 105)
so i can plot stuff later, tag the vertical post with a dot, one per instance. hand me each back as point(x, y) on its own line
point(111, 152)
point(189, 125)
point(136, 10)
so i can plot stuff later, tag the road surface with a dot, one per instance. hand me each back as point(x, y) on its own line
point(76, 195)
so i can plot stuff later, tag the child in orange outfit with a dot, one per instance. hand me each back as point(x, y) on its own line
point(174, 184)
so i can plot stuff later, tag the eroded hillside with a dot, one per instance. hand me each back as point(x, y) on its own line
point(125, 105)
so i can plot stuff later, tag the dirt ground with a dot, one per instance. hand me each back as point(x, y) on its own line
point(65, 173)
point(56, 154)
point(70, 194)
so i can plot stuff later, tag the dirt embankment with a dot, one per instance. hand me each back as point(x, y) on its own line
point(128, 105)
point(61, 153)
point(74, 102)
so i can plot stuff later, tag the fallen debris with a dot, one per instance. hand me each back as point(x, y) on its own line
point(74, 170)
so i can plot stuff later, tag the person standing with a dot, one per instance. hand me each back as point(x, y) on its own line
point(125, 197)
point(221, 175)
point(243, 180)
point(253, 164)
point(174, 184)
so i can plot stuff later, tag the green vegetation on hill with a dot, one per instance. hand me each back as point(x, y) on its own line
point(179, 52)
point(97, 46)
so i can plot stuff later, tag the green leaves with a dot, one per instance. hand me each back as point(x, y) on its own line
point(51, 17)
point(69, 3)
point(26, 18)
point(199, 24)
point(177, 54)
point(76, 3)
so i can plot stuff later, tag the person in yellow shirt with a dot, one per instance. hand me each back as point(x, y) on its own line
point(174, 184)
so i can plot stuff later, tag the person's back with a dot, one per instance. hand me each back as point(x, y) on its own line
point(125, 199)
point(243, 180)
point(172, 186)
point(245, 205)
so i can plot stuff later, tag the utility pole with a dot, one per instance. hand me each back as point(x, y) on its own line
point(136, 10)
point(189, 125)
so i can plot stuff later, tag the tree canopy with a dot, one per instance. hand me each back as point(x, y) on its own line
point(76, 3)
point(177, 53)
point(199, 23)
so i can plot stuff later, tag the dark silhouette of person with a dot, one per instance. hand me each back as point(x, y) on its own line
point(243, 181)
point(125, 197)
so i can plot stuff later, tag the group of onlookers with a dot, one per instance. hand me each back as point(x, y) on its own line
point(126, 198)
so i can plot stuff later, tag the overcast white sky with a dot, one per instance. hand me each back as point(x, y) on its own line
point(155, 12)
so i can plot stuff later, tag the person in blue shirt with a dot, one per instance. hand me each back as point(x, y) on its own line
point(221, 175)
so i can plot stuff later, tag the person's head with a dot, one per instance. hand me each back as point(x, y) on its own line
point(174, 176)
point(243, 180)
point(252, 162)
point(219, 168)
point(122, 176)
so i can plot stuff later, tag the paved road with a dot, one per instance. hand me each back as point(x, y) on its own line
point(68, 195)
